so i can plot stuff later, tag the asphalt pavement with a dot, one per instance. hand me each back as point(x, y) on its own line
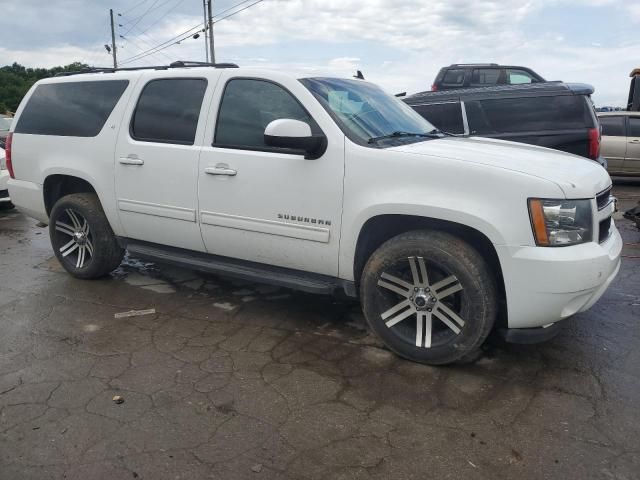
point(234, 380)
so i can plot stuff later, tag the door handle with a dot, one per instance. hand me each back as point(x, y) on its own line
point(635, 140)
point(131, 160)
point(221, 169)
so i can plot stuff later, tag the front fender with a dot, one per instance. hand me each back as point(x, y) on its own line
point(350, 238)
point(488, 199)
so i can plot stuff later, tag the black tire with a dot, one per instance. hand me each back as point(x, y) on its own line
point(6, 206)
point(451, 265)
point(98, 246)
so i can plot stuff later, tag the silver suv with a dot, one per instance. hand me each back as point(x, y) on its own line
point(621, 142)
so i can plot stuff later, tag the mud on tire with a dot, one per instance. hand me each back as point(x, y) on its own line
point(82, 238)
point(430, 296)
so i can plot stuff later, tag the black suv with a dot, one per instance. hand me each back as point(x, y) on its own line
point(465, 75)
point(550, 114)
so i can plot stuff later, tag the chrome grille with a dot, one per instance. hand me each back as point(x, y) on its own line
point(604, 198)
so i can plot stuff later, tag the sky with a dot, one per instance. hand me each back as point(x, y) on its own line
point(398, 44)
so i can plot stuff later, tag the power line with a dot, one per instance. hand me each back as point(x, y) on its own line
point(181, 37)
point(188, 33)
point(138, 47)
point(164, 15)
point(137, 18)
point(172, 41)
point(238, 11)
point(142, 16)
point(149, 44)
point(233, 6)
point(133, 8)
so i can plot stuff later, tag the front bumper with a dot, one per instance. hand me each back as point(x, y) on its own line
point(544, 285)
point(529, 336)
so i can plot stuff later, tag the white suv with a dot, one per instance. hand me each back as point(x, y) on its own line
point(317, 184)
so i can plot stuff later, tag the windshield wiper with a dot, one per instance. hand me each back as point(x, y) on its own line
point(399, 134)
point(449, 134)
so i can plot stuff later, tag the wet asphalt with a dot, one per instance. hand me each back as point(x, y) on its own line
point(233, 380)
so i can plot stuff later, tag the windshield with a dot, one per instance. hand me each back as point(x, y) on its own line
point(366, 114)
point(5, 123)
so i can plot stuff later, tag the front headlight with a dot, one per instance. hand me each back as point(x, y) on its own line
point(558, 223)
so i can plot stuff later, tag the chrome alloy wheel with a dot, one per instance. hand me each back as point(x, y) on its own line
point(75, 237)
point(435, 307)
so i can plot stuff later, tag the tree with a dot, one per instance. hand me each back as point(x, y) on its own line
point(16, 80)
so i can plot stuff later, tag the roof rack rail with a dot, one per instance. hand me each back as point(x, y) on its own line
point(474, 65)
point(190, 63)
point(176, 64)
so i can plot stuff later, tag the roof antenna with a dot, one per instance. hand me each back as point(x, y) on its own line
point(359, 75)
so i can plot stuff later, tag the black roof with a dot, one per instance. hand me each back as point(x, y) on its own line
point(501, 91)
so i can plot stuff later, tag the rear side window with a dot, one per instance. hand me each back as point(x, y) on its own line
point(485, 76)
point(445, 116)
point(72, 109)
point(612, 126)
point(168, 111)
point(567, 112)
point(634, 127)
point(518, 77)
point(453, 78)
point(248, 106)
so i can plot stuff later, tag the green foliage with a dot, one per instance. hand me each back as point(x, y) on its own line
point(16, 80)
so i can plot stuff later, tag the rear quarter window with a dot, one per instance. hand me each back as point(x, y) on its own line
point(73, 109)
point(453, 78)
point(566, 112)
point(485, 76)
point(445, 116)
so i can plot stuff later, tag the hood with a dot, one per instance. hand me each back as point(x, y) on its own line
point(577, 177)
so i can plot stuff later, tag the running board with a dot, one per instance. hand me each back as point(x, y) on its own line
point(242, 269)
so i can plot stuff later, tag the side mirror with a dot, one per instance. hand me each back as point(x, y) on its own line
point(295, 135)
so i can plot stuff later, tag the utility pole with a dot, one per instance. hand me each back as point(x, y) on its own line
point(211, 50)
point(206, 41)
point(113, 40)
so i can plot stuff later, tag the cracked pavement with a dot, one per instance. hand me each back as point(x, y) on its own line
point(234, 380)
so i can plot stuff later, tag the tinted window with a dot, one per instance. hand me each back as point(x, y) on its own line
point(612, 126)
point(528, 114)
point(485, 76)
point(634, 127)
point(445, 116)
point(365, 112)
point(74, 109)
point(168, 111)
point(518, 77)
point(453, 78)
point(248, 106)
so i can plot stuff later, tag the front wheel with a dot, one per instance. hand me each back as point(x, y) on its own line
point(430, 297)
point(82, 238)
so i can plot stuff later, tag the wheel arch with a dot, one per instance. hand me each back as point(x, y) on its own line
point(380, 228)
point(56, 186)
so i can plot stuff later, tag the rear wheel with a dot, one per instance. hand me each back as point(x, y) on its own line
point(430, 296)
point(82, 238)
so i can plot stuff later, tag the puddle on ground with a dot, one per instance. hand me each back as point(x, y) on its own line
point(160, 288)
